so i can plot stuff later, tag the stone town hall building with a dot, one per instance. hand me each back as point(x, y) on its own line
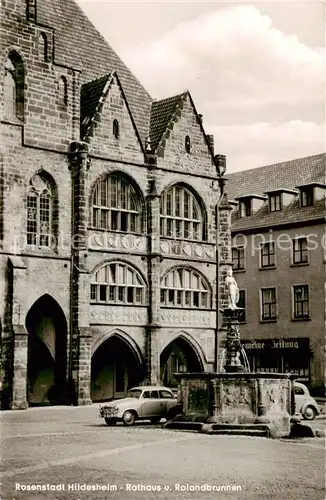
point(108, 218)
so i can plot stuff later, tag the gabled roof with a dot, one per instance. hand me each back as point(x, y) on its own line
point(164, 112)
point(91, 94)
point(161, 113)
point(78, 44)
point(288, 175)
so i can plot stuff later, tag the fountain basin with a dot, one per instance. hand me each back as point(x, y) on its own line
point(237, 401)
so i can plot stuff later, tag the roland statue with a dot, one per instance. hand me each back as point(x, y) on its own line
point(232, 289)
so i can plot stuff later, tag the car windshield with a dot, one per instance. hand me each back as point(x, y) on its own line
point(133, 393)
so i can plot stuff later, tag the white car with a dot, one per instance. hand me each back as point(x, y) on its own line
point(304, 403)
point(141, 403)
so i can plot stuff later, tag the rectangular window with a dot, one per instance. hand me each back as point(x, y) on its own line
point(171, 297)
point(123, 221)
point(238, 258)
point(93, 292)
point(301, 302)
point(196, 299)
point(275, 203)
point(130, 295)
point(268, 304)
point(245, 208)
point(114, 220)
point(268, 254)
point(300, 250)
point(112, 293)
point(163, 296)
point(242, 304)
point(103, 289)
point(121, 294)
point(307, 198)
point(139, 295)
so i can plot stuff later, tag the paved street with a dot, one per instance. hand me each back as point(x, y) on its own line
point(70, 454)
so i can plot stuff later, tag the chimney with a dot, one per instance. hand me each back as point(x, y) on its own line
point(210, 139)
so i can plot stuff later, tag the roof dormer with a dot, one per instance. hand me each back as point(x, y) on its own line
point(250, 203)
point(280, 198)
point(310, 193)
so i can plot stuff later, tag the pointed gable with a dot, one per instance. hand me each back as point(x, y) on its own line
point(107, 123)
point(178, 137)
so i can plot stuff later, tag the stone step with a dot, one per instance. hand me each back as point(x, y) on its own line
point(240, 432)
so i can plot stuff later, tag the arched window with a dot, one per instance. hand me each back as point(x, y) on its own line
point(43, 47)
point(63, 91)
point(118, 283)
point(181, 215)
point(116, 131)
point(116, 206)
point(185, 288)
point(14, 87)
point(39, 212)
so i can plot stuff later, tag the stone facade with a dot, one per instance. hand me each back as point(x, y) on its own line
point(72, 125)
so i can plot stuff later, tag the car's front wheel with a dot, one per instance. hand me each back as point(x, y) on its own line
point(110, 421)
point(129, 418)
point(309, 413)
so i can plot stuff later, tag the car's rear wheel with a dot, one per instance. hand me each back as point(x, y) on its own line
point(155, 420)
point(309, 413)
point(110, 421)
point(129, 418)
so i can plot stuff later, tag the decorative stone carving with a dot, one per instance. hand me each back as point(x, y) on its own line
point(116, 241)
point(112, 315)
point(189, 318)
point(236, 395)
point(189, 249)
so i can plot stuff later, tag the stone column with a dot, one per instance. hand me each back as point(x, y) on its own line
point(224, 263)
point(80, 352)
point(20, 357)
point(153, 327)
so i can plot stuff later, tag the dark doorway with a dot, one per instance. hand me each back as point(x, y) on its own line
point(178, 356)
point(115, 368)
point(47, 353)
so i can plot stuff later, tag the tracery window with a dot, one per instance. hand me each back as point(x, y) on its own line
point(116, 206)
point(185, 288)
point(39, 212)
point(118, 283)
point(181, 215)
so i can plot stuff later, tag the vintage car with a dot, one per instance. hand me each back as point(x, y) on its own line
point(141, 403)
point(304, 403)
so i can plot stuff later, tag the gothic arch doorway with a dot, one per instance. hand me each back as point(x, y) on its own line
point(179, 356)
point(115, 368)
point(47, 353)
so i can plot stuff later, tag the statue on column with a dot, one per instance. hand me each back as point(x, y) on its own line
point(232, 289)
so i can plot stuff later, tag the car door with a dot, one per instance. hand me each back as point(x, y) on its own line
point(299, 395)
point(167, 400)
point(151, 404)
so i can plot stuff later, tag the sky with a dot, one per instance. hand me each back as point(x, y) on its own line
point(256, 71)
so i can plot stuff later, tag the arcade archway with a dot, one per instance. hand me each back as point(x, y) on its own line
point(115, 368)
point(47, 353)
point(179, 356)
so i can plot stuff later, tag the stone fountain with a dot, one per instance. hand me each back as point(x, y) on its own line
point(235, 401)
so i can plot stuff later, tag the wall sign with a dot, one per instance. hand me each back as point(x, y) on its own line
point(280, 344)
